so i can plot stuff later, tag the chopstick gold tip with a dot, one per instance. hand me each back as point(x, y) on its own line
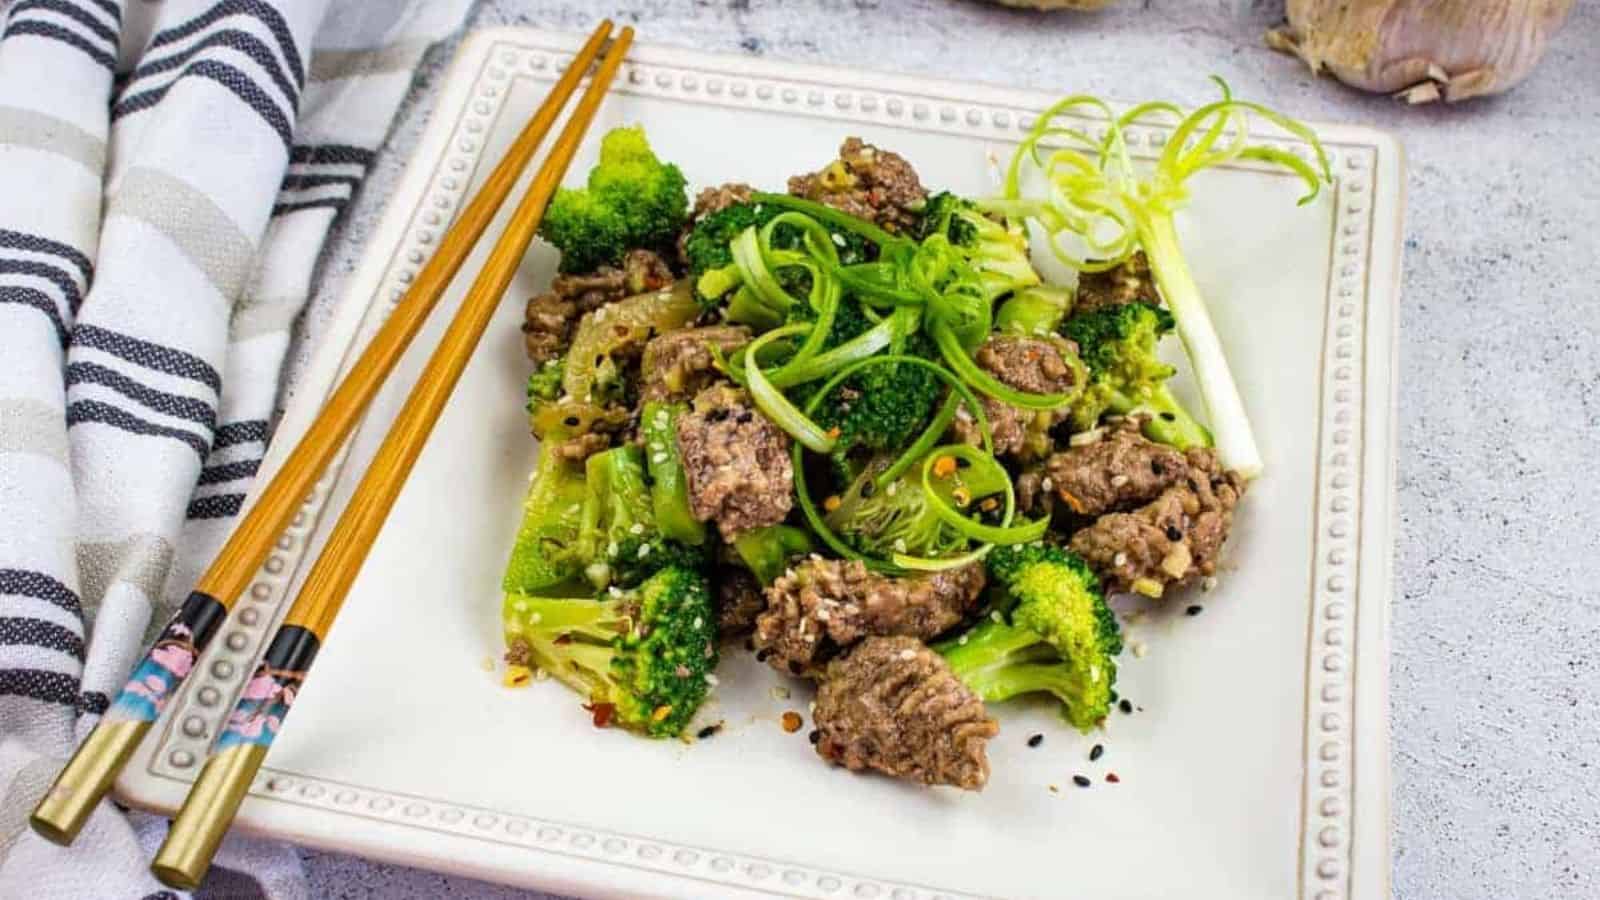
point(89, 775)
point(185, 855)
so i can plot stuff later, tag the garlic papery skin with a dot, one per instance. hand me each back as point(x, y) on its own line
point(1422, 50)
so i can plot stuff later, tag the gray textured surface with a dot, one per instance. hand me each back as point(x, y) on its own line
point(1495, 678)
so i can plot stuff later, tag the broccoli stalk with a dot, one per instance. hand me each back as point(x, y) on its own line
point(632, 200)
point(899, 519)
point(669, 488)
point(767, 551)
point(643, 655)
point(620, 539)
point(1118, 344)
point(1057, 637)
point(547, 551)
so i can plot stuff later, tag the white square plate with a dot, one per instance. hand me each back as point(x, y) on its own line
point(1257, 765)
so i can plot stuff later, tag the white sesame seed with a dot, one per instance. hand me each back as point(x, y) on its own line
point(638, 528)
point(711, 679)
point(900, 545)
point(893, 488)
point(644, 550)
point(962, 640)
point(612, 548)
point(1121, 559)
point(1084, 438)
point(536, 618)
point(540, 675)
point(908, 654)
point(658, 458)
point(1047, 484)
point(1118, 480)
point(1138, 648)
point(838, 239)
point(698, 621)
point(994, 616)
point(779, 692)
point(1209, 583)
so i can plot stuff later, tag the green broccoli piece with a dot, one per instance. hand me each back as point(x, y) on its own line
point(768, 550)
point(1118, 344)
point(544, 385)
point(996, 250)
point(643, 656)
point(1058, 636)
point(710, 258)
point(547, 552)
point(899, 518)
point(622, 543)
point(1033, 312)
point(633, 200)
point(882, 407)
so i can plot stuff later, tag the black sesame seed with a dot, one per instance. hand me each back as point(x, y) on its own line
point(1193, 610)
point(1036, 740)
point(750, 644)
point(1174, 533)
point(796, 667)
point(1096, 752)
point(570, 421)
point(708, 731)
point(1081, 780)
point(762, 654)
point(1156, 468)
point(814, 736)
point(1169, 417)
point(1125, 706)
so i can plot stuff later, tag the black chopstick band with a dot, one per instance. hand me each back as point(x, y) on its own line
point(270, 692)
point(169, 661)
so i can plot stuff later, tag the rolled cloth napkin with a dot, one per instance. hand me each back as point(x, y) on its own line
point(169, 170)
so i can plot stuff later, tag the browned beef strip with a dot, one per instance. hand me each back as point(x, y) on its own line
point(892, 705)
point(823, 605)
point(1129, 282)
point(716, 199)
point(1171, 540)
point(551, 316)
point(1035, 365)
point(736, 462)
point(678, 365)
point(867, 183)
point(739, 602)
point(1114, 467)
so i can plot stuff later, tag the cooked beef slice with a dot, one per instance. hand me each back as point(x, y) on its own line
point(1171, 540)
point(867, 183)
point(739, 602)
point(824, 605)
point(1128, 282)
point(892, 705)
point(678, 364)
point(1035, 365)
point(736, 462)
point(550, 317)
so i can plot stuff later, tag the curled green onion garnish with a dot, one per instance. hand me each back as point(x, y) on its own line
point(824, 213)
point(753, 269)
point(774, 404)
point(930, 436)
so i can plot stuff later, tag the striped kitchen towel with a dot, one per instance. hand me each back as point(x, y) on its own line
point(169, 170)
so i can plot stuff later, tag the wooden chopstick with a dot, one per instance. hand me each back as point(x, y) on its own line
point(186, 853)
point(93, 768)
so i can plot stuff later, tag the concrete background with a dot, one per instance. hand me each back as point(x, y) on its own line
point(1495, 676)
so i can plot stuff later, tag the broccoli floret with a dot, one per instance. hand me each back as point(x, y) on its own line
point(710, 257)
point(899, 518)
point(1057, 637)
point(882, 407)
point(997, 251)
point(544, 385)
point(1118, 344)
point(621, 541)
point(632, 200)
point(643, 655)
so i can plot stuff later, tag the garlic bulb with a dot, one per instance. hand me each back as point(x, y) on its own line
point(1422, 50)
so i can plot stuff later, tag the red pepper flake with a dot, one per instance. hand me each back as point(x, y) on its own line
point(1112, 777)
point(791, 721)
point(602, 713)
point(563, 639)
